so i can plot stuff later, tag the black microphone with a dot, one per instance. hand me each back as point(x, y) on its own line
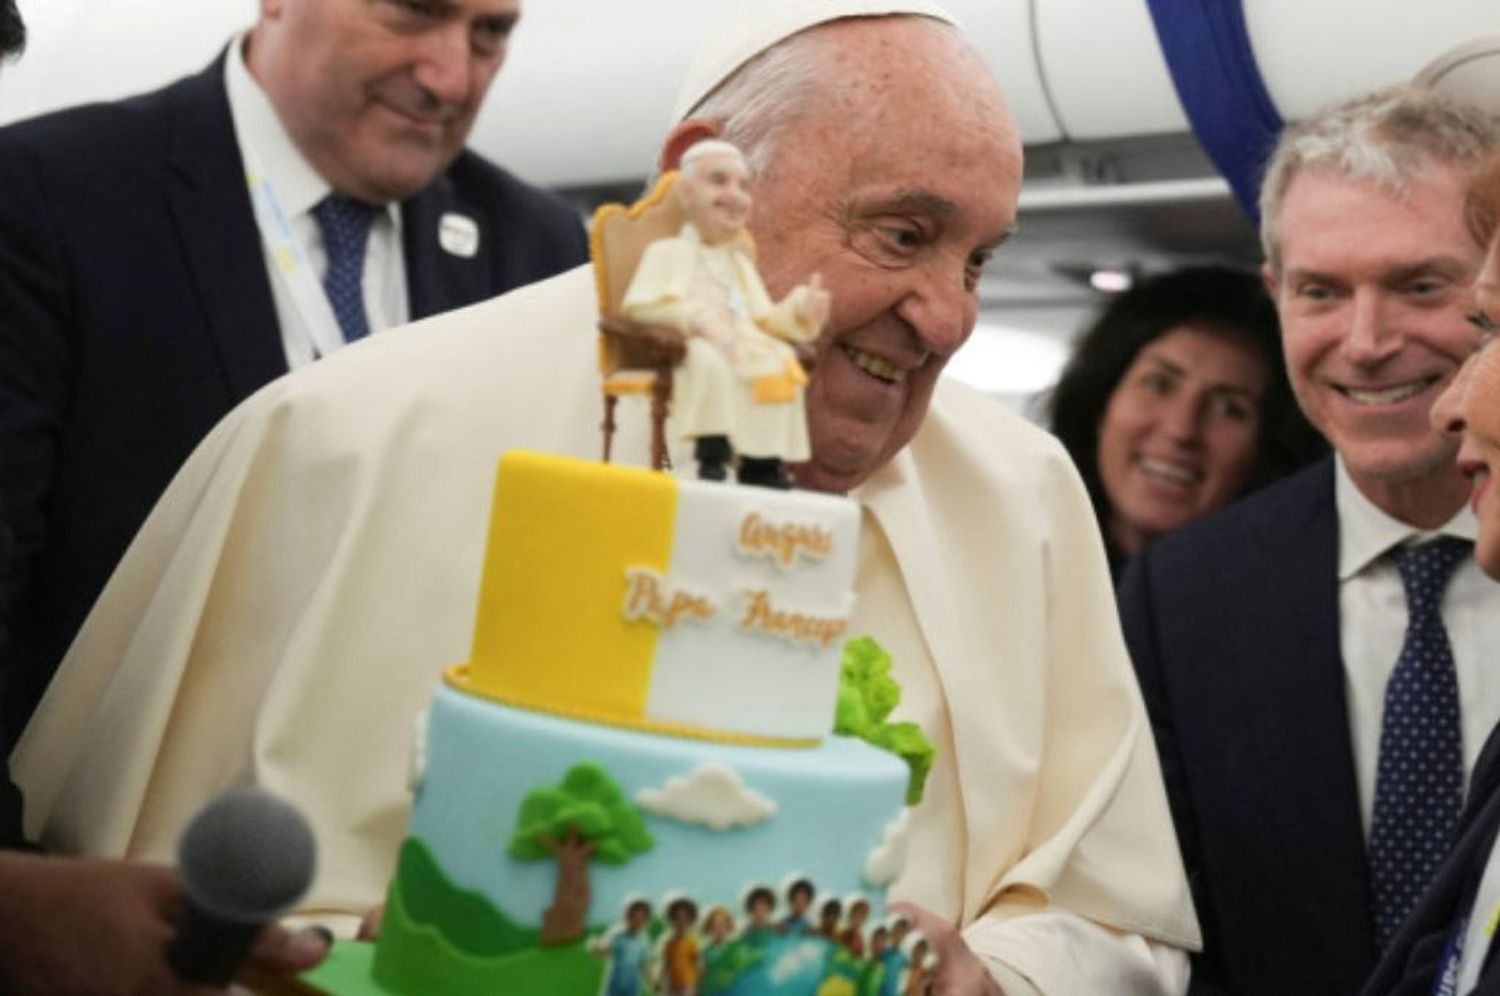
point(245, 859)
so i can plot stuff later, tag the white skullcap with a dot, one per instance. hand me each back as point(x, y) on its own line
point(760, 24)
point(1468, 73)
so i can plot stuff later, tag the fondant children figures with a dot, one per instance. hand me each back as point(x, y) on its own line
point(917, 972)
point(629, 953)
point(759, 905)
point(740, 385)
point(895, 958)
point(799, 897)
point(717, 926)
point(828, 919)
point(853, 936)
point(872, 976)
point(681, 967)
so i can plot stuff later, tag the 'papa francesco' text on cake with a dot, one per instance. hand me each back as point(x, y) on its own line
point(656, 600)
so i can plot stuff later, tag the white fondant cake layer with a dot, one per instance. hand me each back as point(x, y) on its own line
point(717, 676)
point(832, 804)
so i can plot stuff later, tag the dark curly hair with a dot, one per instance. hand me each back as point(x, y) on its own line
point(12, 30)
point(1229, 300)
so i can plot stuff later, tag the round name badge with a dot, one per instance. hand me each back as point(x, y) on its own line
point(458, 234)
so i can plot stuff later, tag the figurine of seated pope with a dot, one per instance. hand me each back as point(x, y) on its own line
point(739, 388)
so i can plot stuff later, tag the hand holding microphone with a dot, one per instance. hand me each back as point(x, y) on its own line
point(78, 925)
point(244, 860)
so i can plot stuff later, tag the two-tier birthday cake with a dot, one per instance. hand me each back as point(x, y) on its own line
point(633, 785)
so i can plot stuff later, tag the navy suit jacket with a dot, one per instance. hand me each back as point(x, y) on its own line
point(1233, 626)
point(1411, 964)
point(135, 311)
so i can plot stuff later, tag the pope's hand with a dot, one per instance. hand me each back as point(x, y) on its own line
point(957, 971)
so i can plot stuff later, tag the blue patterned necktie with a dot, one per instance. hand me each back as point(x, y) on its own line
point(346, 233)
point(1419, 777)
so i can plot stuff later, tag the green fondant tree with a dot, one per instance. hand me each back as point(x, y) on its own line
point(585, 818)
point(867, 694)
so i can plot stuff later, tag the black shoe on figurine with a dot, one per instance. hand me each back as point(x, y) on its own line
point(765, 472)
point(712, 454)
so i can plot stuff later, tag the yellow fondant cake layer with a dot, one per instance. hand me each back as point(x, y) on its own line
point(562, 533)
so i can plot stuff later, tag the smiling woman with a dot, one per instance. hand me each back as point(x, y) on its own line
point(1176, 402)
point(1470, 407)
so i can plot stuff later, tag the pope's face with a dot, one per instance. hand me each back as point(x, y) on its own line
point(716, 196)
point(379, 95)
point(896, 190)
point(1372, 293)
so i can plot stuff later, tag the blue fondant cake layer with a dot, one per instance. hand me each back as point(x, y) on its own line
point(832, 803)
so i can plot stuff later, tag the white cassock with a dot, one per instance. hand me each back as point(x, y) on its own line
point(286, 611)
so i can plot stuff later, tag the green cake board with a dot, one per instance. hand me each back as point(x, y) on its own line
point(544, 972)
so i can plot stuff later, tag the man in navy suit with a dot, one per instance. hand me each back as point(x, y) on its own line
point(163, 257)
point(1267, 637)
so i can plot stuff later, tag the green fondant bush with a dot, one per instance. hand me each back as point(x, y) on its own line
point(867, 695)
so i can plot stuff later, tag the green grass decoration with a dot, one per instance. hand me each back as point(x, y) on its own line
point(468, 921)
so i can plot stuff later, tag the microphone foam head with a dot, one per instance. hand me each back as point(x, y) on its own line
point(247, 856)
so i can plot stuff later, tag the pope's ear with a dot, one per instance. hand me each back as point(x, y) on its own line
point(684, 136)
point(1271, 279)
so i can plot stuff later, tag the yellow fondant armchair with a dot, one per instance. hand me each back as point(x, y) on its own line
point(634, 357)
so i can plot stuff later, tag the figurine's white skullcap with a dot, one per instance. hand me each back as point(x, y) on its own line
point(760, 24)
point(1469, 73)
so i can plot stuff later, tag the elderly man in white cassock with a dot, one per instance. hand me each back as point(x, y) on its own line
point(287, 610)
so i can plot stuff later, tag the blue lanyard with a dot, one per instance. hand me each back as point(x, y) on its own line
point(1446, 983)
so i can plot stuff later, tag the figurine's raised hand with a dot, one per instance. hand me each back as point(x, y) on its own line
point(815, 303)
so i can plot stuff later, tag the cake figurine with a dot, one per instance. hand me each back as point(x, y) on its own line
point(738, 389)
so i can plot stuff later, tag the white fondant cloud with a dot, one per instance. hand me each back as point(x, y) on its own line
point(711, 794)
point(885, 862)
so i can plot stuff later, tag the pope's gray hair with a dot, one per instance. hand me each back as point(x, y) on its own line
point(1392, 136)
point(761, 99)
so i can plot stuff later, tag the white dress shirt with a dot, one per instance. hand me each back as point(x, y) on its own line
point(299, 188)
point(1372, 624)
